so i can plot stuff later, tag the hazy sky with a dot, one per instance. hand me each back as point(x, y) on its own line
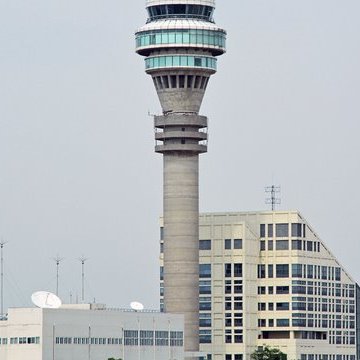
point(78, 172)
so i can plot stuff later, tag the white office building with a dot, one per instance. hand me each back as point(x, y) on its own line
point(90, 332)
point(267, 279)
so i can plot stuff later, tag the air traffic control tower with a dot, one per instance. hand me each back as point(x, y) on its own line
point(180, 43)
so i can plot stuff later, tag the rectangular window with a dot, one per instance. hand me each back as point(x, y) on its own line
point(309, 246)
point(261, 290)
point(324, 272)
point(282, 230)
point(270, 244)
point(282, 244)
point(227, 270)
point(161, 233)
point(299, 306)
point(197, 62)
point(237, 270)
point(270, 271)
point(296, 270)
point(299, 322)
point(238, 289)
point(205, 270)
point(282, 322)
point(310, 271)
point(282, 290)
point(296, 244)
point(261, 271)
point(184, 60)
point(205, 245)
point(282, 270)
point(296, 230)
point(237, 243)
point(205, 287)
point(227, 244)
point(262, 245)
point(270, 230)
point(337, 274)
point(205, 303)
point(281, 306)
point(262, 230)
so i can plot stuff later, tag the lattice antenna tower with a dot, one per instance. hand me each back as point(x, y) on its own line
point(57, 261)
point(274, 199)
point(2, 244)
point(83, 259)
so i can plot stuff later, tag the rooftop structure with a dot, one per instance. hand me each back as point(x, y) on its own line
point(180, 43)
point(90, 331)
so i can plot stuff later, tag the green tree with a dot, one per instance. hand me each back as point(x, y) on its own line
point(268, 353)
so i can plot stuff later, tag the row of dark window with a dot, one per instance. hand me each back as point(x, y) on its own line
point(316, 272)
point(233, 270)
point(300, 288)
point(181, 81)
point(233, 357)
point(205, 271)
point(180, 11)
point(205, 336)
point(20, 340)
point(301, 323)
point(302, 271)
point(283, 230)
point(236, 338)
point(303, 306)
point(229, 244)
point(235, 288)
point(326, 357)
point(296, 244)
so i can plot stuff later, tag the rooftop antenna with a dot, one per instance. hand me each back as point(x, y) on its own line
point(57, 260)
point(2, 244)
point(273, 190)
point(82, 259)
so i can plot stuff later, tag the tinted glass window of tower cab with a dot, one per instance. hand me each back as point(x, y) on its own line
point(181, 10)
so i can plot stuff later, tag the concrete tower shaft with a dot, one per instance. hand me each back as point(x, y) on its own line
point(180, 43)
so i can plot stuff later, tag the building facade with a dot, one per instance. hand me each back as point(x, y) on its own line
point(267, 279)
point(90, 332)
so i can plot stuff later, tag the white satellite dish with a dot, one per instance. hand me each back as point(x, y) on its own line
point(45, 300)
point(137, 306)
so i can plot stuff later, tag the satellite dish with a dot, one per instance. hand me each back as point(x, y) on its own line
point(137, 306)
point(45, 300)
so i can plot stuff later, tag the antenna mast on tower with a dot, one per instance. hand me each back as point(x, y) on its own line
point(82, 259)
point(273, 200)
point(57, 260)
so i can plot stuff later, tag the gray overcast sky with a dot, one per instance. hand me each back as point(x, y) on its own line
point(78, 173)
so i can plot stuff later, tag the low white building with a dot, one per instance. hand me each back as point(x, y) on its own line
point(90, 332)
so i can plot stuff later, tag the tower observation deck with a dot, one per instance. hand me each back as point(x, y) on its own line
point(181, 43)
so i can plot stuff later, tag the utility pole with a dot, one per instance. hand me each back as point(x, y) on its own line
point(57, 260)
point(82, 259)
point(2, 244)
